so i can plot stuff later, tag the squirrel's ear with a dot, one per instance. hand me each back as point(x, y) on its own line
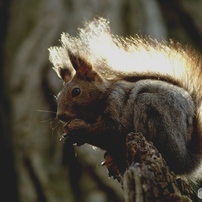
point(82, 67)
point(65, 74)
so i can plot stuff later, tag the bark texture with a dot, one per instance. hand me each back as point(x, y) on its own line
point(148, 177)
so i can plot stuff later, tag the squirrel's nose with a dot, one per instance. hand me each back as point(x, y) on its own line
point(64, 116)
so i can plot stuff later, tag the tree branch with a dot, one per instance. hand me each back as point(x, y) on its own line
point(147, 176)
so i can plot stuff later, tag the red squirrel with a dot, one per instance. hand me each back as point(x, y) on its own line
point(115, 85)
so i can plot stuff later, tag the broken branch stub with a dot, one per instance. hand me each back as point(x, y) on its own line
point(147, 176)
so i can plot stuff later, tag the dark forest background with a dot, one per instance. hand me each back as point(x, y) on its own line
point(34, 164)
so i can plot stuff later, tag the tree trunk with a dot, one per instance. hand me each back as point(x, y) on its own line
point(8, 178)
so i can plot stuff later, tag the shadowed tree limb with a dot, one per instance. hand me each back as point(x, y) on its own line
point(147, 176)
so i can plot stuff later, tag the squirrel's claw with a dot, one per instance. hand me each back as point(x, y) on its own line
point(64, 137)
point(70, 139)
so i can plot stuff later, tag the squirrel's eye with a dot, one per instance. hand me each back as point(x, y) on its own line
point(76, 92)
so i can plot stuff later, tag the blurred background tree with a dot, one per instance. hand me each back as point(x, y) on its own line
point(35, 164)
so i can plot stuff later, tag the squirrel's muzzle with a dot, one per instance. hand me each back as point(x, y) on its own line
point(64, 116)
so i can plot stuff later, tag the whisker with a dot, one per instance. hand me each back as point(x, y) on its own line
point(55, 123)
point(55, 96)
point(47, 120)
point(46, 111)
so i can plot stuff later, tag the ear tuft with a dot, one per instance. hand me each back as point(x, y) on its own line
point(82, 67)
point(61, 64)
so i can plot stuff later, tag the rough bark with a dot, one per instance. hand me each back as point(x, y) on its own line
point(147, 176)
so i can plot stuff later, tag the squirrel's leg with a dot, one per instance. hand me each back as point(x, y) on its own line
point(102, 134)
point(167, 121)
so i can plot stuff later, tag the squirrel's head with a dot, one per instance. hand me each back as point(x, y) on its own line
point(83, 93)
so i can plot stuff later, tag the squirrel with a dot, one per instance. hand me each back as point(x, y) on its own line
point(115, 85)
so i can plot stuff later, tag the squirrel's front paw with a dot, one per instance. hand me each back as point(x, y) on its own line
point(75, 131)
point(76, 124)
